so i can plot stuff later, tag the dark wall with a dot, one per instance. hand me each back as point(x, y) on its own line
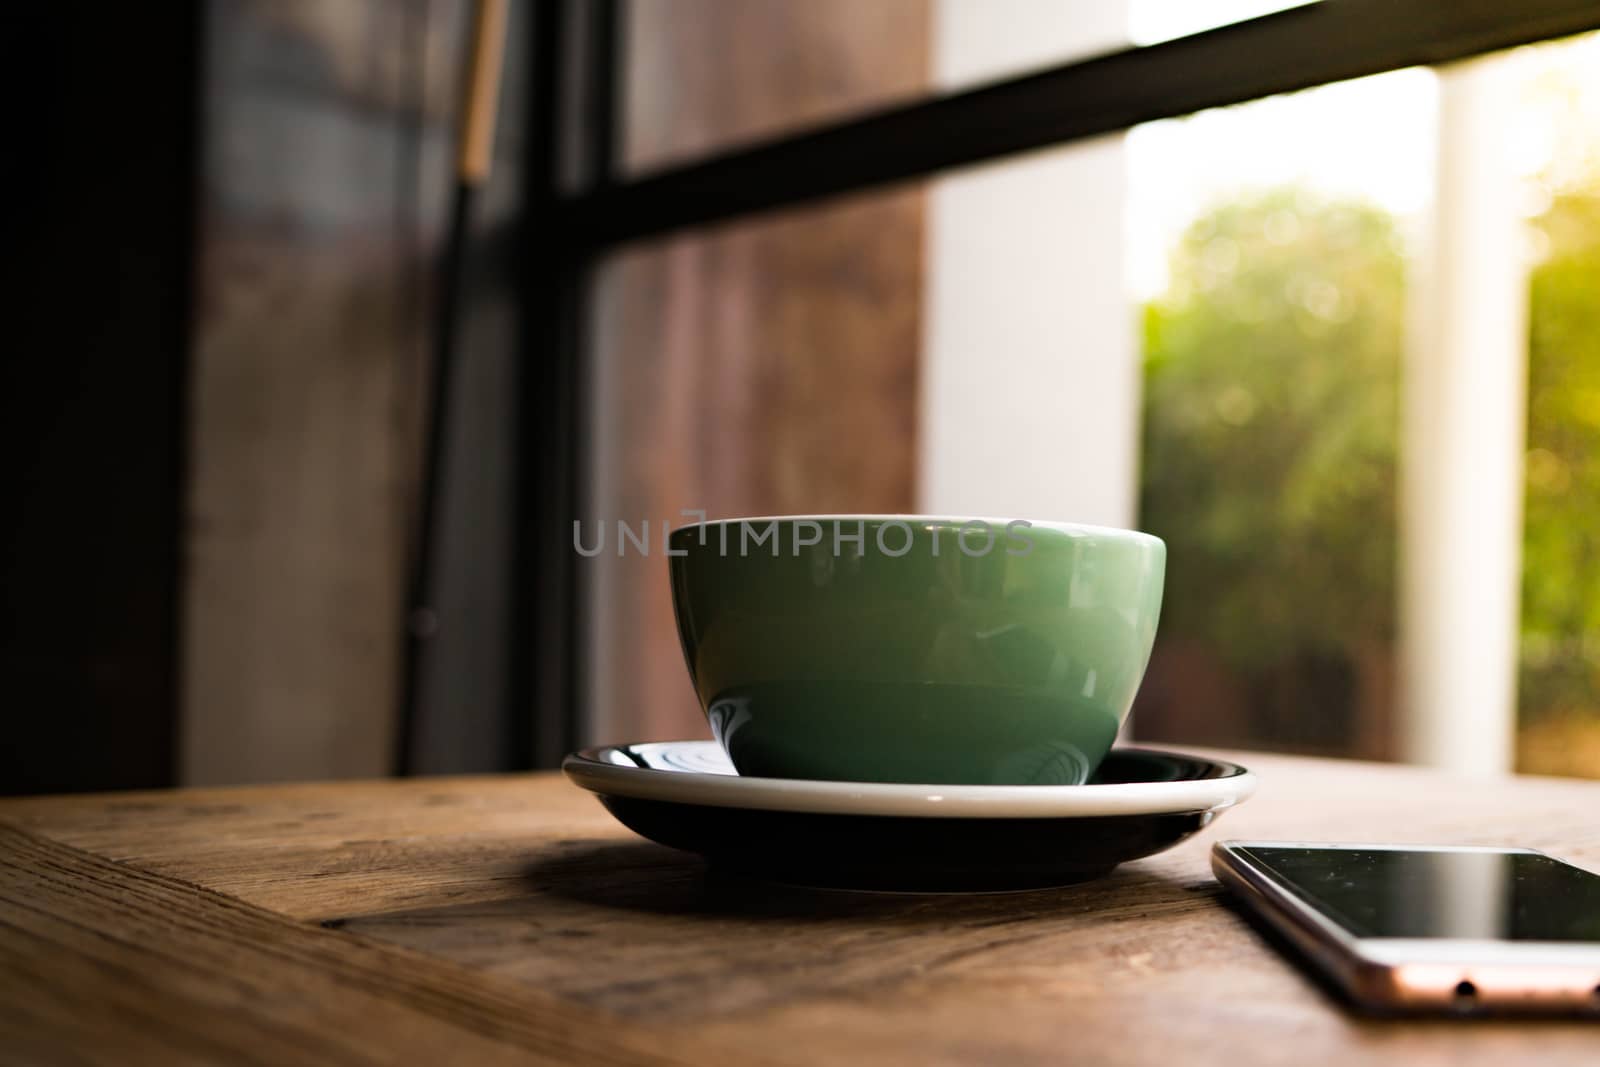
point(101, 178)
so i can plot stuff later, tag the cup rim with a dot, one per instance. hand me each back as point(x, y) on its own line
point(941, 519)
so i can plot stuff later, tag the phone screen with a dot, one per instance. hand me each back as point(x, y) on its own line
point(1488, 896)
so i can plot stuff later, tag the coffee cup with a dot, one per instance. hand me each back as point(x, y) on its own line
point(902, 648)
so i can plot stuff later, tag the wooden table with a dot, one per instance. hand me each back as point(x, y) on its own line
point(481, 920)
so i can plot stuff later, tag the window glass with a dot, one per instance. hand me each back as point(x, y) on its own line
point(1269, 251)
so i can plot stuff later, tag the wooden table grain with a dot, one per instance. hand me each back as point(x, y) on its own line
point(509, 919)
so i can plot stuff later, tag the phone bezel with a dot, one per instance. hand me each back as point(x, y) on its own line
point(1416, 973)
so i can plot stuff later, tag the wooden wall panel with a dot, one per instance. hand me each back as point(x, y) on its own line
point(764, 367)
point(705, 75)
point(305, 391)
point(327, 129)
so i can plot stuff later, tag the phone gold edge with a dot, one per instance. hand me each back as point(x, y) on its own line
point(1395, 987)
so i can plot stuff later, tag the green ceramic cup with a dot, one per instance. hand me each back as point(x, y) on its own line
point(889, 648)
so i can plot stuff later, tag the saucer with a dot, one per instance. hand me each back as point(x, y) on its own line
point(868, 835)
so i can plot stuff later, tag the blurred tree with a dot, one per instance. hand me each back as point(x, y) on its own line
point(1271, 420)
point(1559, 697)
point(1561, 547)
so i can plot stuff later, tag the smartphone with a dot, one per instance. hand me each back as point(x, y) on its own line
point(1443, 928)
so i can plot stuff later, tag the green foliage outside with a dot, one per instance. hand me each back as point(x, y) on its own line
point(1561, 540)
point(1271, 426)
point(1271, 419)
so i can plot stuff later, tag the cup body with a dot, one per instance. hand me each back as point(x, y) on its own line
point(915, 649)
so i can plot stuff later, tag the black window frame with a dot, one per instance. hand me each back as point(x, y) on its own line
point(575, 126)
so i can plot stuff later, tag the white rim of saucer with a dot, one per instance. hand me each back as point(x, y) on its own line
point(590, 770)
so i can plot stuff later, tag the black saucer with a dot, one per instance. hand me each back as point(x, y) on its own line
point(1072, 834)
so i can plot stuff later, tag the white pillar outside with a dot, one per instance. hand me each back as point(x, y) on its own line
point(1030, 372)
point(1462, 442)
